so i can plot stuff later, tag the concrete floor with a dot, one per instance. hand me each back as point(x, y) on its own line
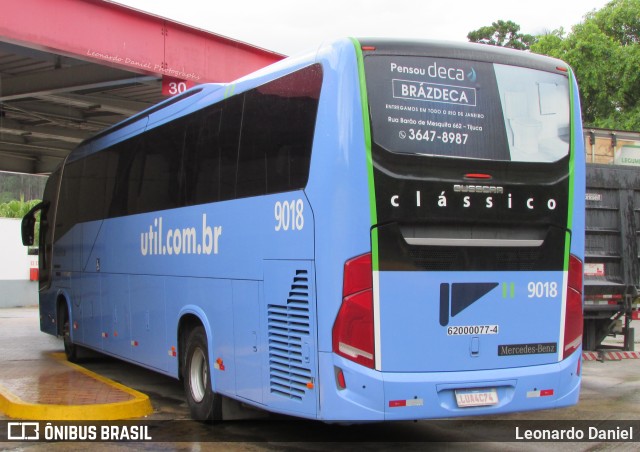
point(610, 399)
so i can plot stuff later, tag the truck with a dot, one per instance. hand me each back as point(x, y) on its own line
point(612, 239)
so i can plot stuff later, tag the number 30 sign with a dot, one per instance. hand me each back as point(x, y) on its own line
point(172, 86)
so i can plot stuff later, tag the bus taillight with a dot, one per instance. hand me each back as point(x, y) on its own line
point(573, 320)
point(353, 328)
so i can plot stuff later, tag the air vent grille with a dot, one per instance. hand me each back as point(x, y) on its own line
point(289, 331)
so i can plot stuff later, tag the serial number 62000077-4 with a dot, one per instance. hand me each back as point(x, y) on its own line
point(472, 330)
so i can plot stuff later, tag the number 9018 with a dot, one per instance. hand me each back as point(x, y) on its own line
point(542, 289)
point(289, 215)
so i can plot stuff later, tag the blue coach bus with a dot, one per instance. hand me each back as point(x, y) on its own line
point(377, 230)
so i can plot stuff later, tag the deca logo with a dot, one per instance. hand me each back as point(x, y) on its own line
point(456, 297)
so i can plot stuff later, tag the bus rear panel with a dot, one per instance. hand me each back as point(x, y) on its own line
point(474, 300)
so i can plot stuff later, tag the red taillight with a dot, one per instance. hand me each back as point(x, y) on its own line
point(573, 320)
point(353, 328)
point(357, 275)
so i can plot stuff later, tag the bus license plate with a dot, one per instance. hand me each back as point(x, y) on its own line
point(476, 397)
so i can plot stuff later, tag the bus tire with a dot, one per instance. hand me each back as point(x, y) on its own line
point(204, 404)
point(70, 349)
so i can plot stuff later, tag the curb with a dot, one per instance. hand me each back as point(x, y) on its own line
point(609, 355)
point(138, 406)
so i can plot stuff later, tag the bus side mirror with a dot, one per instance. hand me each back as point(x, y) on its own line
point(28, 225)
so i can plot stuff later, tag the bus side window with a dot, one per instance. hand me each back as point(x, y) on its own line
point(277, 133)
point(229, 142)
point(68, 211)
point(95, 192)
point(202, 160)
point(161, 178)
point(256, 139)
point(121, 176)
point(47, 215)
point(133, 183)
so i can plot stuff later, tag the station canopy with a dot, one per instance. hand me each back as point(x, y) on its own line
point(71, 68)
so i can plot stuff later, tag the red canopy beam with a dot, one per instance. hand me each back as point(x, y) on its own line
point(125, 38)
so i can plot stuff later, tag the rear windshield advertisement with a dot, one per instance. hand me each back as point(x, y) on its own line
point(460, 108)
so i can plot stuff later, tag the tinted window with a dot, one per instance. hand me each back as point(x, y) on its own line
point(124, 158)
point(277, 133)
point(250, 144)
point(47, 215)
point(202, 164)
point(96, 187)
point(68, 205)
point(158, 180)
point(228, 146)
point(471, 109)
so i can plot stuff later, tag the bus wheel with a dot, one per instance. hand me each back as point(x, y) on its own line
point(204, 404)
point(70, 349)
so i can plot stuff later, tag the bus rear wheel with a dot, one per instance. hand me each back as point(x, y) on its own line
point(204, 404)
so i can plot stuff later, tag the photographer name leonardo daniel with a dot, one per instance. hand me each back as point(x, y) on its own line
point(577, 433)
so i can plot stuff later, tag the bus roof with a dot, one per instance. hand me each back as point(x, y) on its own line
point(462, 50)
point(383, 46)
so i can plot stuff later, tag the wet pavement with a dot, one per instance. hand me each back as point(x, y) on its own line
point(610, 400)
point(38, 383)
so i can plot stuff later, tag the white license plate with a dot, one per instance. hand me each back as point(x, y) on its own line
point(476, 397)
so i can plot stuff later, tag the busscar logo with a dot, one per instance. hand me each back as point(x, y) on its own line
point(462, 188)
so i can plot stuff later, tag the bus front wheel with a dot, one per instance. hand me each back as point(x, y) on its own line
point(204, 404)
point(70, 349)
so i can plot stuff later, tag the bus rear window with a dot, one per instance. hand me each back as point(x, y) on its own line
point(467, 109)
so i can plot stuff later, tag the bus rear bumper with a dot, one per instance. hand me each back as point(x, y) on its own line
point(378, 396)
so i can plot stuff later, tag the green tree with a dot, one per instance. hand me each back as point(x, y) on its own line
point(502, 33)
point(604, 52)
point(18, 209)
point(548, 44)
point(619, 19)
